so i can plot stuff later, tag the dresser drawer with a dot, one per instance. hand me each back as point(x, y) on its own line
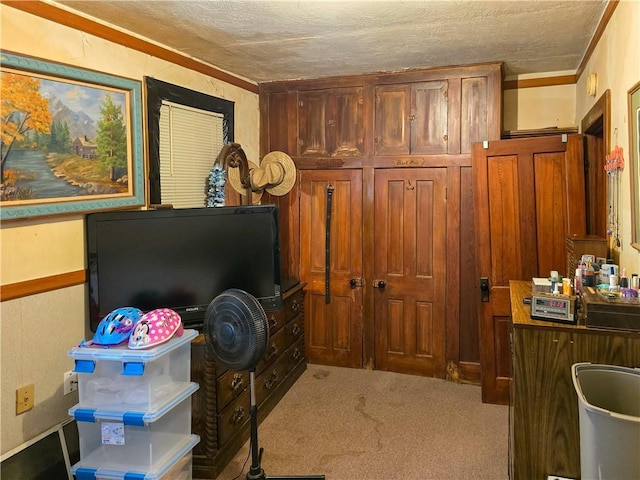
point(275, 320)
point(276, 345)
point(230, 386)
point(293, 305)
point(295, 354)
point(294, 330)
point(234, 417)
point(270, 378)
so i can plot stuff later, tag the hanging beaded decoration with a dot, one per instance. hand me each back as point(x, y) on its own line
point(215, 192)
point(614, 165)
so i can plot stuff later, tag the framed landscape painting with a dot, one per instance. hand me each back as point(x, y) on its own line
point(634, 173)
point(71, 139)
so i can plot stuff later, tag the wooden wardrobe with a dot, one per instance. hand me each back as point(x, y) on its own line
point(391, 154)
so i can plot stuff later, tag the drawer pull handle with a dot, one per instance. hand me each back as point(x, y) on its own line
point(238, 415)
point(271, 382)
point(272, 352)
point(236, 382)
point(296, 354)
point(295, 330)
point(295, 305)
point(273, 321)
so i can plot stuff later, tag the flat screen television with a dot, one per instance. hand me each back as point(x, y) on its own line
point(181, 259)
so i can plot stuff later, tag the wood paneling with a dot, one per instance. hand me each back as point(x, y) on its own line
point(414, 120)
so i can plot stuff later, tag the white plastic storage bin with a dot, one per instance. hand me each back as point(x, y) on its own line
point(119, 378)
point(180, 469)
point(134, 442)
point(609, 412)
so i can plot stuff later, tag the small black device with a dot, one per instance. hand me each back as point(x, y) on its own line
point(181, 259)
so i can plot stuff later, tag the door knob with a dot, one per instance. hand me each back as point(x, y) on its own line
point(379, 284)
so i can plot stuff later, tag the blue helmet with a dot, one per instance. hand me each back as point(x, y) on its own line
point(116, 327)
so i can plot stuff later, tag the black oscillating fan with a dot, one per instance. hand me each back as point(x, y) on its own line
point(237, 333)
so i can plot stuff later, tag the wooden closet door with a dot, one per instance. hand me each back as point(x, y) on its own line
point(334, 332)
point(410, 258)
point(529, 197)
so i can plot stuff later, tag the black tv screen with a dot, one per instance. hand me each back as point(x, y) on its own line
point(181, 259)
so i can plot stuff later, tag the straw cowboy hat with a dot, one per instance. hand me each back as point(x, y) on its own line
point(233, 174)
point(276, 175)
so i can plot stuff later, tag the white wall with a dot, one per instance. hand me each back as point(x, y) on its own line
point(539, 107)
point(616, 62)
point(37, 331)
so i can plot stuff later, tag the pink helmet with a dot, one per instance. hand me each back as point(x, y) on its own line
point(155, 327)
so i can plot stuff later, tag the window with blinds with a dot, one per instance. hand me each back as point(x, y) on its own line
point(189, 142)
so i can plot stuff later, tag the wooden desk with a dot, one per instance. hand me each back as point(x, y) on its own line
point(545, 431)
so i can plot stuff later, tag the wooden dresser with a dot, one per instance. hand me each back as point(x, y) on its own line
point(220, 408)
point(545, 431)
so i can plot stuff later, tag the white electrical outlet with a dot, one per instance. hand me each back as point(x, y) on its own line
point(70, 382)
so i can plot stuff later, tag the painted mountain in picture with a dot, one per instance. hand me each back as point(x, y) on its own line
point(61, 139)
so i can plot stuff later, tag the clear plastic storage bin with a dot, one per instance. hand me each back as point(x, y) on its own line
point(119, 378)
point(175, 469)
point(135, 442)
point(609, 411)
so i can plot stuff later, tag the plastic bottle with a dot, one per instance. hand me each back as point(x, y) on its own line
point(624, 280)
point(588, 276)
point(577, 280)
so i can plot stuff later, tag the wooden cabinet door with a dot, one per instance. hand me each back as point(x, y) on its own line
point(331, 122)
point(411, 118)
point(429, 118)
point(334, 332)
point(312, 123)
point(410, 258)
point(474, 112)
point(392, 120)
point(346, 124)
point(527, 201)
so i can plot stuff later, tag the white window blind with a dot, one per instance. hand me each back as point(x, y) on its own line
point(190, 140)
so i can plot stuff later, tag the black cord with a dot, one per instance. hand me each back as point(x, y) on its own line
point(244, 464)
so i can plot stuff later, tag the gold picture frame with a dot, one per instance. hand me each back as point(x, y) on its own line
point(634, 156)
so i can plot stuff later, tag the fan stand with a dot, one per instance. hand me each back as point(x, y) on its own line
point(255, 471)
point(237, 331)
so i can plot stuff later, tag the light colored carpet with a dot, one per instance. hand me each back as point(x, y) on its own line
point(351, 424)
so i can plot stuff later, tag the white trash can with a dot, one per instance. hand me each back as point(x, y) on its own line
point(609, 410)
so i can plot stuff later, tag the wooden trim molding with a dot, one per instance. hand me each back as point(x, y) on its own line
point(539, 82)
point(78, 22)
point(606, 16)
point(41, 285)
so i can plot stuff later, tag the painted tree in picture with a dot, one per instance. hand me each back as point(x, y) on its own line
point(22, 109)
point(61, 139)
point(112, 138)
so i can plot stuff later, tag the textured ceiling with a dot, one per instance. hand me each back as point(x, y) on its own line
point(283, 40)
